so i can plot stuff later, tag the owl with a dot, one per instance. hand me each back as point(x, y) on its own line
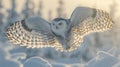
point(64, 35)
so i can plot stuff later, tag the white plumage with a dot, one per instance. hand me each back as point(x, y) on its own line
point(62, 34)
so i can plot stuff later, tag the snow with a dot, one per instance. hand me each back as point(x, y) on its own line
point(102, 59)
point(6, 61)
point(117, 65)
point(19, 59)
point(37, 62)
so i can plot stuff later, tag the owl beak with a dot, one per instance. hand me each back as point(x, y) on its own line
point(56, 27)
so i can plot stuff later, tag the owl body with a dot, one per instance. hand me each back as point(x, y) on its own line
point(62, 34)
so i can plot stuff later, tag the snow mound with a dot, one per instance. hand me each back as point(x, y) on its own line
point(6, 61)
point(37, 62)
point(103, 59)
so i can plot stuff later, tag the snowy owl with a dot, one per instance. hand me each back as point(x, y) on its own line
point(63, 34)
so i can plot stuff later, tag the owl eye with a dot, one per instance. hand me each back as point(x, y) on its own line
point(60, 24)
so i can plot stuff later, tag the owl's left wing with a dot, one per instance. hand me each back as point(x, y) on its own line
point(32, 33)
point(85, 20)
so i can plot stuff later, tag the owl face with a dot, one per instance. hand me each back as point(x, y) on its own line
point(59, 26)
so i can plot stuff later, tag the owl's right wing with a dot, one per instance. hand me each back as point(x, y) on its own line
point(85, 20)
point(33, 32)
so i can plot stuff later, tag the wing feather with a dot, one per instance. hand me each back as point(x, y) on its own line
point(96, 21)
point(32, 37)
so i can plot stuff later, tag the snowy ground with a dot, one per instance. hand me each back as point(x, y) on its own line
point(19, 59)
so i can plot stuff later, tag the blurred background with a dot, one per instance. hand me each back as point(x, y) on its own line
point(108, 41)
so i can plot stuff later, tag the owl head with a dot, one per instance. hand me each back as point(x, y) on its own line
point(59, 26)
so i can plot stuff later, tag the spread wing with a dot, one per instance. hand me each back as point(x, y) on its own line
point(85, 20)
point(33, 32)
